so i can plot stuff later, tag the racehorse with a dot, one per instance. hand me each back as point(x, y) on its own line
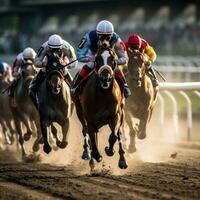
point(5, 115)
point(99, 104)
point(141, 103)
point(24, 112)
point(54, 102)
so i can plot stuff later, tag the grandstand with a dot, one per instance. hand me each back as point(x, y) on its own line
point(173, 28)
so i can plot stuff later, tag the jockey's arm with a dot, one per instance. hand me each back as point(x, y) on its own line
point(39, 59)
point(69, 56)
point(120, 50)
point(149, 51)
point(83, 48)
point(16, 70)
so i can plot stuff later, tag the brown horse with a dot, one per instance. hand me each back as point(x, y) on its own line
point(54, 103)
point(99, 104)
point(24, 112)
point(141, 103)
point(5, 115)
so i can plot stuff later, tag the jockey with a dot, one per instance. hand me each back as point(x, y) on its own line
point(64, 50)
point(7, 72)
point(28, 54)
point(4, 68)
point(88, 48)
point(135, 42)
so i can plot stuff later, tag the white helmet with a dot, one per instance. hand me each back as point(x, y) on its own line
point(55, 41)
point(104, 27)
point(28, 53)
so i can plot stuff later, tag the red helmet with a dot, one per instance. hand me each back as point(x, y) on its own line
point(136, 42)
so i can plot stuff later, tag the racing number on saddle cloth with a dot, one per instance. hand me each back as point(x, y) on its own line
point(82, 42)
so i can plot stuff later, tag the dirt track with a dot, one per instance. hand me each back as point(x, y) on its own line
point(175, 176)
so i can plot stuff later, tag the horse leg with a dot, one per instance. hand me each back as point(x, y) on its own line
point(141, 134)
point(122, 161)
point(21, 140)
point(112, 139)
point(44, 127)
point(54, 130)
point(12, 131)
point(27, 135)
point(65, 130)
point(93, 139)
point(4, 130)
point(39, 138)
point(132, 134)
point(86, 153)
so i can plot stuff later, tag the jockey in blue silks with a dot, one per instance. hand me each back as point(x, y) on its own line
point(88, 48)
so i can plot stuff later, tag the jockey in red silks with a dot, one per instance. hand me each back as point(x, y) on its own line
point(88, 48)
point(136, 43)
point(27, 54)
point(66, 53)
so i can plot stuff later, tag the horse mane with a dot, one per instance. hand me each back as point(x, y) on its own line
point(55, 72)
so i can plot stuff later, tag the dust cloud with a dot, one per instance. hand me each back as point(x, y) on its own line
point(155, 148)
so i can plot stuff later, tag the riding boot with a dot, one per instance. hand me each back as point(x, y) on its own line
point(122, 83)
point(153, 77)
point(34, 87)
point(83, 73)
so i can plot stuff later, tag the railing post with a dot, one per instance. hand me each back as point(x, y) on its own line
point(189, 114)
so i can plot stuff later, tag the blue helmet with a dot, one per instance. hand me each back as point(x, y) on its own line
point(2, 68)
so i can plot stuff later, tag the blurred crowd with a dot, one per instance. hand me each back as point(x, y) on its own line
point(177, 35)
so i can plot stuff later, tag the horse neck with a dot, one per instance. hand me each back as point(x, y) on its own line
point(23, 85)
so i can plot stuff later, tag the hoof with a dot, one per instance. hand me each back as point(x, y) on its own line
point(32, 158)
point(123, 164)
point(86, 155)
point(132, 149)
point(55, 148)
point(27, 136)
point(141, 135)
point(61, 145)
point(47, 149)
point(36, 147)
point(92, 164)
point(108, 152)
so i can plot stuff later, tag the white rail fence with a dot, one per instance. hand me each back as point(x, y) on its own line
point(182, 88)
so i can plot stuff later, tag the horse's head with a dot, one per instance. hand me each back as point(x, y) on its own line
point(54, 81)
point(136, 66)
point(105, 63)
point(28, 69)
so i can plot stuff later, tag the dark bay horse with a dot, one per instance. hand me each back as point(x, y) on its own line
point(141, 103)
point(6, 117)
point(99, 104)
point(54, 103)
point(24, 112)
